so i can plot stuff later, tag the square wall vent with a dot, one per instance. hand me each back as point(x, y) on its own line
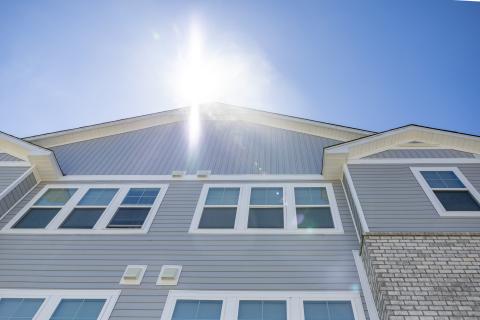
point(178, 173)
point(169, 275)
point(133, 275)
point(203, 173)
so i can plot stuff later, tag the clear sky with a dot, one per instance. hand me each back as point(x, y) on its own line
point(369, 64)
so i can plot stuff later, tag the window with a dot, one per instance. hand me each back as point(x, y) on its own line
point(89, 209)
point(57, 304)
point(449, 191)
point(263, 305)
point(220, 209)
point(267, 209)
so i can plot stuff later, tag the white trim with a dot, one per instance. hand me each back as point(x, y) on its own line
point(294, 301)
point(101, 227)
point(358, 206)
point(433, 198)
point(52, 299)
point(213, 177)
point(415, 160)
point(14, 164)
point(367, 291)
point(289, 210)
point(15, 183)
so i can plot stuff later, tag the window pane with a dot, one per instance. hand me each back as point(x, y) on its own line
point(442, 179)
point(55, 197)
point(129, 218)
point(19, 309)
point(78, 309)
point(311, 196)
point(82, 218)
point(266, 196)
point(197, 309)
point(98, 197)
point(328, 310)
point(225, 196)
point(457, 200)
point(141, 196)
point(314, 218)
point(265, 218)
point(37, 218)
point(262, 310)
point(218, 218)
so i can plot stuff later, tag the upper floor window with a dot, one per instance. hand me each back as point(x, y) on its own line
point(90, 209)
point(245, 305)
point(267, 208)
point(448, 189)
point(56, 304)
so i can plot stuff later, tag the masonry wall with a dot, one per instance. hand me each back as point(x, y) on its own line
point(422, 276)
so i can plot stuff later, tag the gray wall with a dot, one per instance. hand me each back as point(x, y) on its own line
point(210, 262)
point(224, 147)
point(9, 175)
point(420, 153)
point(8, 157)
point(393, 200)
point(9, 199)
point(353, 206)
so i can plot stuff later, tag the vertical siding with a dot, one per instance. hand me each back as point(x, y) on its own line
point(9, 199)
point(393, 200)
point(420, 153)
point(9, 175)
point(224, 147)
point(210, 262)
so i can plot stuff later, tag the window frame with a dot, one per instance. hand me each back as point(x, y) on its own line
point(52, 299)
point(101, 226)
point(429, 191)
point(289, 210)
point(294, 301)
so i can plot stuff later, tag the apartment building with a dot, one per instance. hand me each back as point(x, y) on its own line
point(234, 213)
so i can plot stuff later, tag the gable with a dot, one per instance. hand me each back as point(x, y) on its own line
point(409, 153)
point(223, 146)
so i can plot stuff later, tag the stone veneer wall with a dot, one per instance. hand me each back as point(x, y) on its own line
point(424, 276)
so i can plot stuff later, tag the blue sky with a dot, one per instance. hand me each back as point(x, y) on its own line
point(368, 64)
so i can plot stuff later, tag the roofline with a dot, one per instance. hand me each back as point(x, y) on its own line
point(185, 109)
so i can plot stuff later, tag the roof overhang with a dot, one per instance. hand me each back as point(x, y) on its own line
point(42, 160)
point(213, 111)
point(335, 157)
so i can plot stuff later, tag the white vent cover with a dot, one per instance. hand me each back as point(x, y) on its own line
point(133, 275)
point(203, 173)
point(169, 275)
point(178, 173)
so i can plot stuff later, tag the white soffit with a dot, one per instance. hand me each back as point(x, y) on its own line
point(214, 111)
point(336, 156)
point(42, 160)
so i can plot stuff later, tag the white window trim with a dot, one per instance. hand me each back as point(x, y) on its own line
point(290, 217)
point(101, 225)
point(294, 300)
point(53, 298)
point(433, 198)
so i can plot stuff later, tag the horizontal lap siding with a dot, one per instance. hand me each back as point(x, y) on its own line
point(8, 157)
point(210, 262)
point(392, 199)
point(420, 153)
point(9, 175)
point(224, 147)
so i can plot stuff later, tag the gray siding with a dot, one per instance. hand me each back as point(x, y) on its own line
point(9, 175)
point(353, 207)
point(393, 200)
point(8, 157)
point(420, 153)
point(224, 147)
point(210, 262)
point(8, 200)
